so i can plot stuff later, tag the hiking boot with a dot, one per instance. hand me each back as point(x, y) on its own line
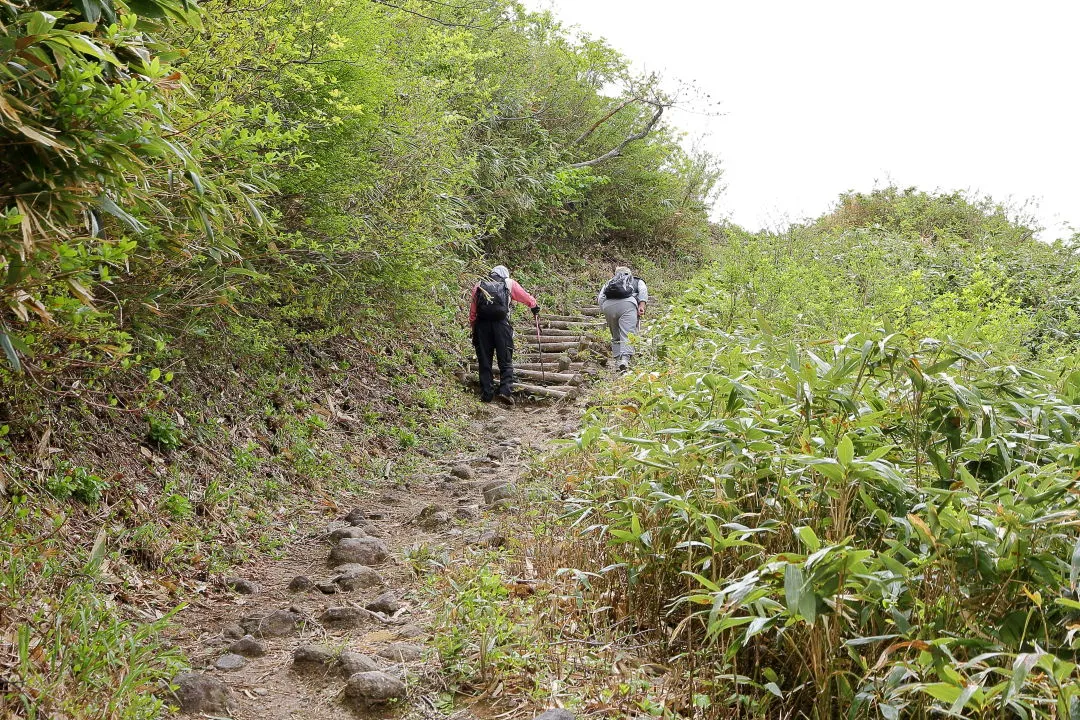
point(505, 400)
point(623, 364)
point(486, 398)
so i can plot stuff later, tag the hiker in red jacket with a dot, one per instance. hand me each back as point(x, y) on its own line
point(489, 316)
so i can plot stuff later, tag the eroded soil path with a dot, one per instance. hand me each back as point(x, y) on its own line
point(338, 627)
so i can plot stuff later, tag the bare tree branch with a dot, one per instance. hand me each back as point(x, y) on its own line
point(617, 150)
point(445, 23)
point(602, 120)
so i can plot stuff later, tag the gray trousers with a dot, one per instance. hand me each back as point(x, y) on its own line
point(622, 319)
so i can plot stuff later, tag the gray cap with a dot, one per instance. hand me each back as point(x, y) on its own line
point(500, 271)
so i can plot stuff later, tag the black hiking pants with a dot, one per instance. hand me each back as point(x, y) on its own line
point(494, 336)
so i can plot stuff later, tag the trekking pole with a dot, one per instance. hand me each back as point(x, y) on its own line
point(540, 349)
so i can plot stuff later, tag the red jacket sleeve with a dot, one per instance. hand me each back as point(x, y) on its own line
point(472, 306)
point(518, 293)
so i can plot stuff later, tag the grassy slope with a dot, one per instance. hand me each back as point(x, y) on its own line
point(803, 508)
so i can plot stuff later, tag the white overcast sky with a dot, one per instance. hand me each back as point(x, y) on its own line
point(822, 97)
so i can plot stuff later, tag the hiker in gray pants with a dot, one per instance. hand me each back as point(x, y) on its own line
point(623, 299)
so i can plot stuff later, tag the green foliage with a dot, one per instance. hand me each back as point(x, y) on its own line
point(75, 481)
point(838, 519)
point(73, 653)
point(164, 432)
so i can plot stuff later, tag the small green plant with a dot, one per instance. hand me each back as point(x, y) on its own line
point(75, 482)
point(177, 506)
point(163, 432)
point(426, 559)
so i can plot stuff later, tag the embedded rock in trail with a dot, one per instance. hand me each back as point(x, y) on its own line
point(277, 624)
point(300, 583)
point(402, 652)
point(497, 490)
point(343, 617)
point(497, 453)
point(230, 661)
point(374, 688)
point(463, 471)
point(491, 539)
point(360, 551)
point(357, 577)
point(410, 631)
point(433, 517)
point(242, 586)
point(385, 603)
point(470, 512)
point(308, 655)
point(556, 714)
point(351, 662)
point(202, 694)
point(353, 531)
point(355, 517)
point(327, 588)
point(233, 632)
point(248, 646)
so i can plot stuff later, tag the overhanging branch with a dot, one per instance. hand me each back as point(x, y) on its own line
point(617, 150)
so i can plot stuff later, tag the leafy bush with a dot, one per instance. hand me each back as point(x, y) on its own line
point(824, 517)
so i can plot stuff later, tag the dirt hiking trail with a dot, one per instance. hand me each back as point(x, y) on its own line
point(337, 629)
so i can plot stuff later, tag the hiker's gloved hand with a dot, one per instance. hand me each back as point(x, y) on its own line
point(535, 310)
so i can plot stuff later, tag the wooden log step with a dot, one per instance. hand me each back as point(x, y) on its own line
point(549, 375)
point(533, 357)
point(592, 310)
point(576, 319)
point(558, 392)
point(573, 367)
point(555, 347)
point(557, 332)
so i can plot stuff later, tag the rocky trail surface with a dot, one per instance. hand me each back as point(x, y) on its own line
point(338, 629)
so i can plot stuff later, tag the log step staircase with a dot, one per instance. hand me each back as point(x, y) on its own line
point(572, 348)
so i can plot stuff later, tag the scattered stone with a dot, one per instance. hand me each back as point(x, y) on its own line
point(388, 499)
point(343, 617)
point(230, 661)
point(358, 577)
point(352, 662)
point(467, 513)
point(432, 517)
point(497, 453)
point(385, 603)
point(197, 693)
point(503, 504)
point(233, 632)
point(277, 624)
point(374, 688)
point(377, 515)
point(261, 691)
point(498, 490)
point(353, 531)
point(241, 586)
point(248, 646)
point(361, 551)
point(463, 471)
point(327, 588)
point(410, 631)
point(491, 539)
point(356, 516)
point(300, 583)
point(555, 714)
point(402, 652)
point(313, 655)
